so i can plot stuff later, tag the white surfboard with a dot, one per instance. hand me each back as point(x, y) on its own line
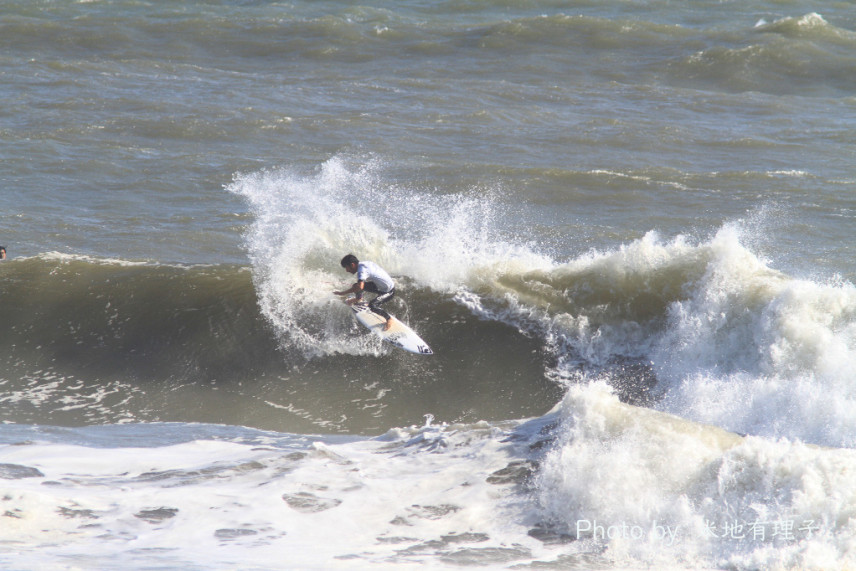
point(398, 334)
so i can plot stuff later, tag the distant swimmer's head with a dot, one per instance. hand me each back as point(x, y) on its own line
point(2, 252)
point(350, 262)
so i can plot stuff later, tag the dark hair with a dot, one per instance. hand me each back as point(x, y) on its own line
point(348, 260)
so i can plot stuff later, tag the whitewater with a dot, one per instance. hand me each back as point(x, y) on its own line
point(626, 231)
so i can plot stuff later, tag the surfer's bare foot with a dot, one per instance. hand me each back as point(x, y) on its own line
point(387, 325)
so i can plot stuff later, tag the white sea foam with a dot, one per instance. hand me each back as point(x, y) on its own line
point(732, 341)
point(434, 494)
point(594, 481)
point(756, 351)
point(652, 487)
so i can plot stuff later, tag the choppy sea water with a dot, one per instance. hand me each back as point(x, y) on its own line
point(626, 230)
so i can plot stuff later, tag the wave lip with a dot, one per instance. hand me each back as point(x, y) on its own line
point(306, 223)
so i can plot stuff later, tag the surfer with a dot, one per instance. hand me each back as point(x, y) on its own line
point(371, 278)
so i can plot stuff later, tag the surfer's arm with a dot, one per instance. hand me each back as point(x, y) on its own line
point(357, 288)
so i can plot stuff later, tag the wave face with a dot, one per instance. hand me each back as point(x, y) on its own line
point(98, 341)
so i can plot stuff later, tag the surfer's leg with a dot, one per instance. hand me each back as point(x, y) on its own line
point(375, 305)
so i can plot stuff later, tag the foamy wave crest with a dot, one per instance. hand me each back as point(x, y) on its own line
point(811, 25)
point(805, 55)
point(759, 352)
point(305, 223)
point(730, 340)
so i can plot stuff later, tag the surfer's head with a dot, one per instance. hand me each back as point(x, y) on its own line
point(350, 262)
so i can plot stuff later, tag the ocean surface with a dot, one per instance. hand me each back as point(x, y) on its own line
point(626, 229)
